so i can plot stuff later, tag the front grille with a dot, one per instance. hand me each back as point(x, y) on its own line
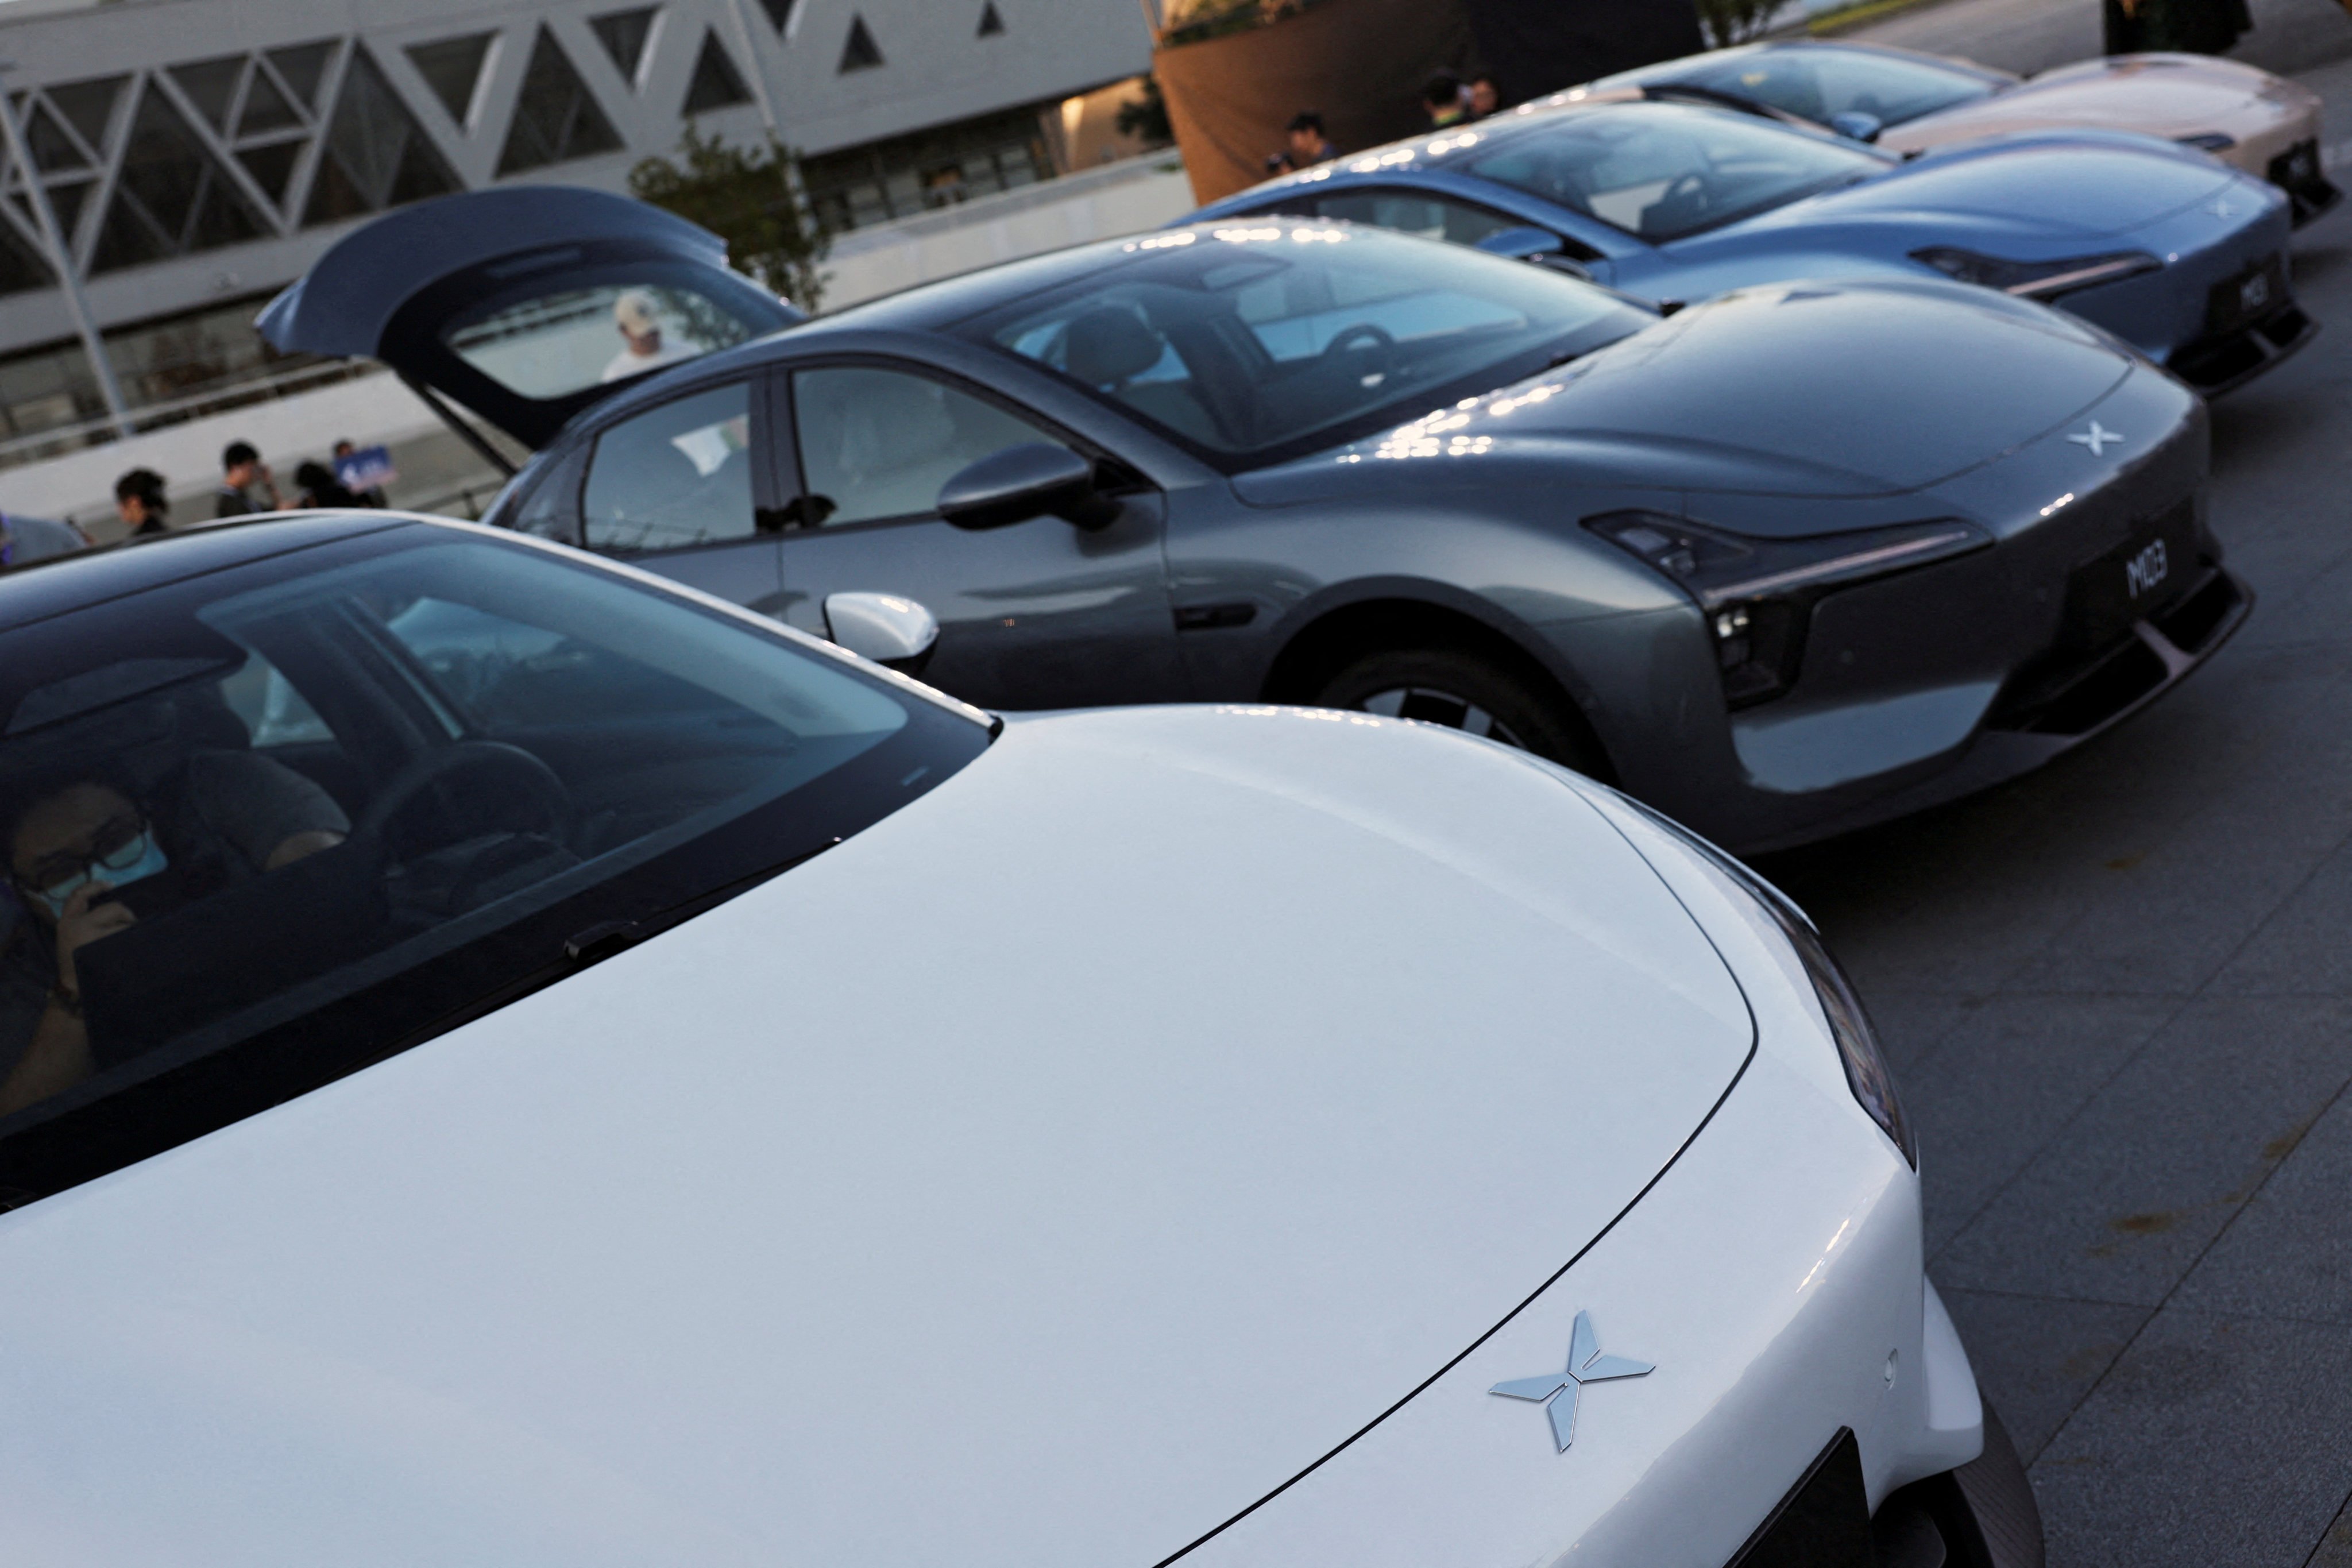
point(2216, 363)
point(1823, 1522)
point(1981, 1515)
point(2297, 171)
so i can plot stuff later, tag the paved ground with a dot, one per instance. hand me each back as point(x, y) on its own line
point(2119, 995)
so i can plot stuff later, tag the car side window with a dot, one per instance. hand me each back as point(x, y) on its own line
point(1416, 212)
point(878, 443)
point(677, 475)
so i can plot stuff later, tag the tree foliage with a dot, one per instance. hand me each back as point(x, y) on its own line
point(1146, 117)
point(749, 197)
point(1729, 22)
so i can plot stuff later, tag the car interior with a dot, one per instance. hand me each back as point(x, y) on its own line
point(496, 733)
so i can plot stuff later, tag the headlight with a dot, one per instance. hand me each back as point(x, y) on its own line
point(1757, 593)
point(2035, 279)
point(1867, 1072)
point(2208, 141)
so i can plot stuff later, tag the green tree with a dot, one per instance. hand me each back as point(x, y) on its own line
point(1146, 117)
point(750, 198)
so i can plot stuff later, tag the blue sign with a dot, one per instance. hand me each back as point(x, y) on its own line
point(368, 469)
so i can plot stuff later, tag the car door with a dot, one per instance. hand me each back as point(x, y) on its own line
point(1041, 613)
point(681, 488)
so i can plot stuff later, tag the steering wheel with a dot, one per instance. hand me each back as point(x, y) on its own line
point(495, 760)
point(1377, 340)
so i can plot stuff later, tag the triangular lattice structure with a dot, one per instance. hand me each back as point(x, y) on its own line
point(377, 155)
point(556, 118)
point(860, 52)
point(624, 34)
point(172, 196)
point(452, 68)
point(717, 84)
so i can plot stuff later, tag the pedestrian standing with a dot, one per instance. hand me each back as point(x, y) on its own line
point(321, 489)
point(140, 502)
point(368, 495)
point(1484, 96)
point(1443, 101)
point(1305, 145)
point(246, 485)
point(2175, 26)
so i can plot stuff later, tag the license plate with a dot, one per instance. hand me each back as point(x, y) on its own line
point(2133, 581)
point(2250, 296)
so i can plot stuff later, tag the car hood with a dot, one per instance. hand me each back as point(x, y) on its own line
point(1041, 1177)
point(2034, 189)
point(1807, 389)
point(2163, 95)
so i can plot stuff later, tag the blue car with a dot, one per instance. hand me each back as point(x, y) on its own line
point(1679, 200)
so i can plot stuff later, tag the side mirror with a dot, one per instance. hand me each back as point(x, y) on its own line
point(1034, 480)
point(1856, 126)
point(1523, 243)
point(894, 632)
point(1539, 246)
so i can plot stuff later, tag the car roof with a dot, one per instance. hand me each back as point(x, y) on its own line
point(60, 584)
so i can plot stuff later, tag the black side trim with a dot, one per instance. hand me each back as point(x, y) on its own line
point(1823, 1522)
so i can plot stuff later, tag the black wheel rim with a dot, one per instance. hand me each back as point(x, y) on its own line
point(1433, 705)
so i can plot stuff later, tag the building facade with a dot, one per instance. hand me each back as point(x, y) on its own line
point(198, 154)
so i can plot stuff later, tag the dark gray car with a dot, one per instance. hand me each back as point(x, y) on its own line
point(1802, 558)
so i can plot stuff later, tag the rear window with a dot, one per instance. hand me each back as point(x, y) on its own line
point(550, 345)
point(272, 825)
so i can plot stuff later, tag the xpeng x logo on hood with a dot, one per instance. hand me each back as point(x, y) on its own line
point(2096, 438)
point(1559, 1391)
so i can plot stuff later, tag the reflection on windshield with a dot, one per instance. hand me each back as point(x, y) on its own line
point(1816, 83)
point(1663, 171)
point(1268, 337)
point(561, 342)
point(342, 804)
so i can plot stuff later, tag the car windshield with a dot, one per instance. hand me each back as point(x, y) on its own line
point(269, 824)
point(1815, 83)
point(1264, 337)
point(1662, 170)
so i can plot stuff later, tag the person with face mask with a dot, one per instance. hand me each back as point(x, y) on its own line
point(84, 857)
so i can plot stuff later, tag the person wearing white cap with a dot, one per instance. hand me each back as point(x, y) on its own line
point(642, 348)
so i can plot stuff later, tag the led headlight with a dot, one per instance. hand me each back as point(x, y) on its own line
point(2035, 279)
point(1757, 593)
point(1867, 1072)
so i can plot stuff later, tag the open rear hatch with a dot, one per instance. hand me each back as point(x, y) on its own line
point(525, 304)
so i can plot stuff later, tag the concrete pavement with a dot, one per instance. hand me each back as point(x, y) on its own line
point(2119, 995)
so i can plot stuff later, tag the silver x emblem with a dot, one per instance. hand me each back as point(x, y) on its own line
point(1559, 1391)
point(2096, 438)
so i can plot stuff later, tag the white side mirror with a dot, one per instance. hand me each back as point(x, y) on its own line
point(897, 633)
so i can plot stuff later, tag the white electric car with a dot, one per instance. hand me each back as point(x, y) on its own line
point(507, 1061)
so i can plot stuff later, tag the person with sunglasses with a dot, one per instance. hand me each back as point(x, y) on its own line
point(81, 851)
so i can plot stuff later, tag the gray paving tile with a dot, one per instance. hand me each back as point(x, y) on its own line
point(2303, 947)
point(2004, 1080)
point(2288, 1253)
point(2036, 1357)
point(2124, 1198)
point(2212, 1440)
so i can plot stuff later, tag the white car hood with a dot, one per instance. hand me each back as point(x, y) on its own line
point(1039, 1178)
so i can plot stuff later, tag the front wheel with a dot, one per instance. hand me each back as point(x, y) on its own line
point(1463, 691)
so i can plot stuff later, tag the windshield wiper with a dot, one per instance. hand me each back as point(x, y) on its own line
point(596, 943)
point(590, 945)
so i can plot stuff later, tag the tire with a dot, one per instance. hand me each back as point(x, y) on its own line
point(1466, 691)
